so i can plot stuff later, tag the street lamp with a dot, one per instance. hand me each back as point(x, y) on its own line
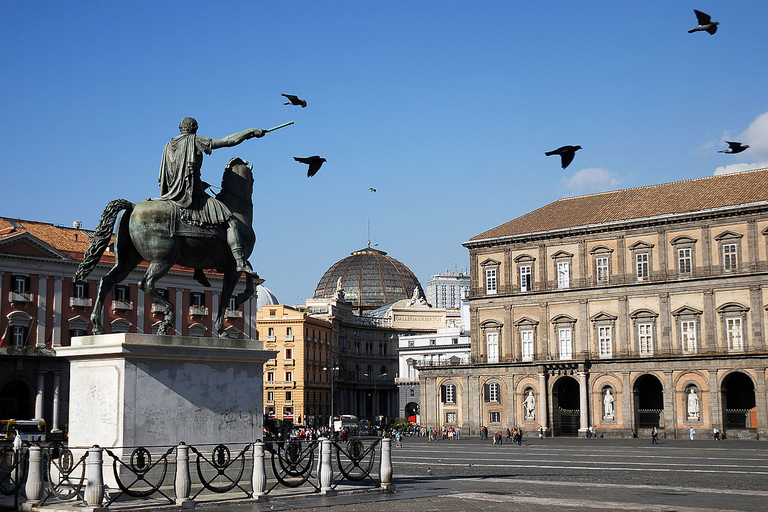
point(333, 370)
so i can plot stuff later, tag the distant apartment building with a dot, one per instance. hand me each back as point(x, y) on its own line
point(446, 290)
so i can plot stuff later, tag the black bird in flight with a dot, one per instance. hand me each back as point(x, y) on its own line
point(734, 147)
point(294, 100)
point(566, 154)
point(314, 163)
point(372, 189)
point(705, 23)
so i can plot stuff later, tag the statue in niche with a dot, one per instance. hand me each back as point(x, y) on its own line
point(529, 405)
point(608, 410)
point(693, 405)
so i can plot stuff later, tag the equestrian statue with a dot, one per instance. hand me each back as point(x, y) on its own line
point(183, 226)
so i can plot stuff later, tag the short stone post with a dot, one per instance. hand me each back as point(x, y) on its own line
point(326, 468)
point(386, 466)
point(259, 476)
point(94, 485)
point(183, 483)
point(34, 486)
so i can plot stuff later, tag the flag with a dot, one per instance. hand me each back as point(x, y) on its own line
point(5, 333)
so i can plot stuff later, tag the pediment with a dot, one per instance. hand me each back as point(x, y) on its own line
point(524, 258)
point(490, 262)
point(491, 324)
point(683, 239)
point(526, 322)
point(24, 244)
point(561, 254)
point(728, 235)
point(601, 249)
point(603, 317)
point(563, 319)
point(643, 313)
point(732, 307)
point(640, 245)
point(686, 310)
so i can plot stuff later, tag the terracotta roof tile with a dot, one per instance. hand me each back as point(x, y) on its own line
point(638, 203)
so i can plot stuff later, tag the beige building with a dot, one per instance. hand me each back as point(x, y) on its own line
point(623, 310)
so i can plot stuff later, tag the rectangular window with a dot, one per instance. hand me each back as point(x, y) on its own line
point(288, 376)
point(733, 328)
point(20, 284)
point(526, 348)
point(450, 394)
point(495, 417)
point(645, 338)
point(641, 264)
point(601, 266)
point(490, 280)
point(525, 278)
point(688, 335)
point(288, 396)
point(121, 293)
point(271, 331)
point(604, 341)
point(493, 392)
point(198, 299)
point(289, 354)
point(492, 338)
point(566, 346)
point(232, 304)
point(289, 331)
point(270, 376)
point(270, 396)
point(80, 291)
point(450, 418)
point(684, 261)
point(18, 335)
point(729, 257)
point(563, 274)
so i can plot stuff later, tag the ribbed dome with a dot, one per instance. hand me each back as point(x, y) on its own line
point(264, 297)
point(369, 279)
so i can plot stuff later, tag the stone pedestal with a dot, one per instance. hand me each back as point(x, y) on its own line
point(129, 390)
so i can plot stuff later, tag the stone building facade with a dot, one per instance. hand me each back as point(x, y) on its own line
point(624, 311)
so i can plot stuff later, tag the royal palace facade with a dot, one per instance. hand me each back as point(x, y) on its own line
point(623, 311)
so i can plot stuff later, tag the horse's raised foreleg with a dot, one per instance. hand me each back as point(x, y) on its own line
point(156, 271)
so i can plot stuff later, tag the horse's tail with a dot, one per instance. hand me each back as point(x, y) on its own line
point(101, 237)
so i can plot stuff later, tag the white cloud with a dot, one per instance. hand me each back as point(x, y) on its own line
point(756, 137)
point(590, 180)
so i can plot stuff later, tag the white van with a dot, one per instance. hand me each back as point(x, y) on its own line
point(29, 430)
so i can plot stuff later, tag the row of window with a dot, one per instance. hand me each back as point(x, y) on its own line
point(602, 265)
point(688, 332)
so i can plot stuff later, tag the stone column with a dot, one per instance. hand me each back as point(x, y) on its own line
point(386, 466)
point(670, 415)
point(94, 487)
point(141, 309)
point(756, 314)
point(34, 487)
point(543, 402)
point(58, 300)
point(510, 350)
point(181, 317)
point(56, 400)
point(710, 340)
point(42, 307)
point(627, 402)
point(664, 342)
point(39, 395)
point(183, 484)
point(259, 476)
point(583, 407)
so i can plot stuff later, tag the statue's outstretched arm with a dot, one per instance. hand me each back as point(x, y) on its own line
point(237, 138)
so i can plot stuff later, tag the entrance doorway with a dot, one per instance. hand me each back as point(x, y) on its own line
point(649, 402)
point(16, 401)
point(739, 411)
point(565, 407)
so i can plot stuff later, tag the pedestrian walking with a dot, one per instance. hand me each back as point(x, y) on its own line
point(655, 436)
point(691, 433)
point(716, 433)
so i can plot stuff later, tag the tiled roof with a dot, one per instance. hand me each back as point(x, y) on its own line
point(639, 203)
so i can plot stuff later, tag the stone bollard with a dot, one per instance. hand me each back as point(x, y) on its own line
point(326, 469)
point(259, 476)
point(386, 466)
point(34, 486)
point(94, 485)
point(183, 483)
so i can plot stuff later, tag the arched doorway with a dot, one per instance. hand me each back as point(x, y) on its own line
point(412, 411)
point(565, 407)
point(649, 402)
point(739, 406)
point(16, 401)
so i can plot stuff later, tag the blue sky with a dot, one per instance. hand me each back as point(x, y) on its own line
point(445, 107)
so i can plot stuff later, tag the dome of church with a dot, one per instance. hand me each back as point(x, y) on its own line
point(369, 279)
point(264, 297)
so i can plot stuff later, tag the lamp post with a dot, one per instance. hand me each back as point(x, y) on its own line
point(333, 370)
point(375, 399)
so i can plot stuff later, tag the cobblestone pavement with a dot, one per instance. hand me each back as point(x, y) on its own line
point(566, 474)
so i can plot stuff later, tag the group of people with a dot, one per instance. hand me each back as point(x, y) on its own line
point(447, 432)
point(514, 434)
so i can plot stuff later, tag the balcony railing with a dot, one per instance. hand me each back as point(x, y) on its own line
point(289, 361)
point(269, 338)
point(156, 308)
point(288, 337)
point(198, 311)
point(21, 296)
point(233, 313)
point(80, 302)
point(122, 305)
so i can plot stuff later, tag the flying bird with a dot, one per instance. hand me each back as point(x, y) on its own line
point(294, 100)
point(734, 147)
point(566, 154)
point(372, 189)
point(314, 163)
point(705, 23)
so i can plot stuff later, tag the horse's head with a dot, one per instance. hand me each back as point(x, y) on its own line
point(238, 179)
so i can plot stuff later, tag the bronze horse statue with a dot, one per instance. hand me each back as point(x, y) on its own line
point(152, 231)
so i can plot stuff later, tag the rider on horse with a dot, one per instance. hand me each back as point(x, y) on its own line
point(181, 184)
